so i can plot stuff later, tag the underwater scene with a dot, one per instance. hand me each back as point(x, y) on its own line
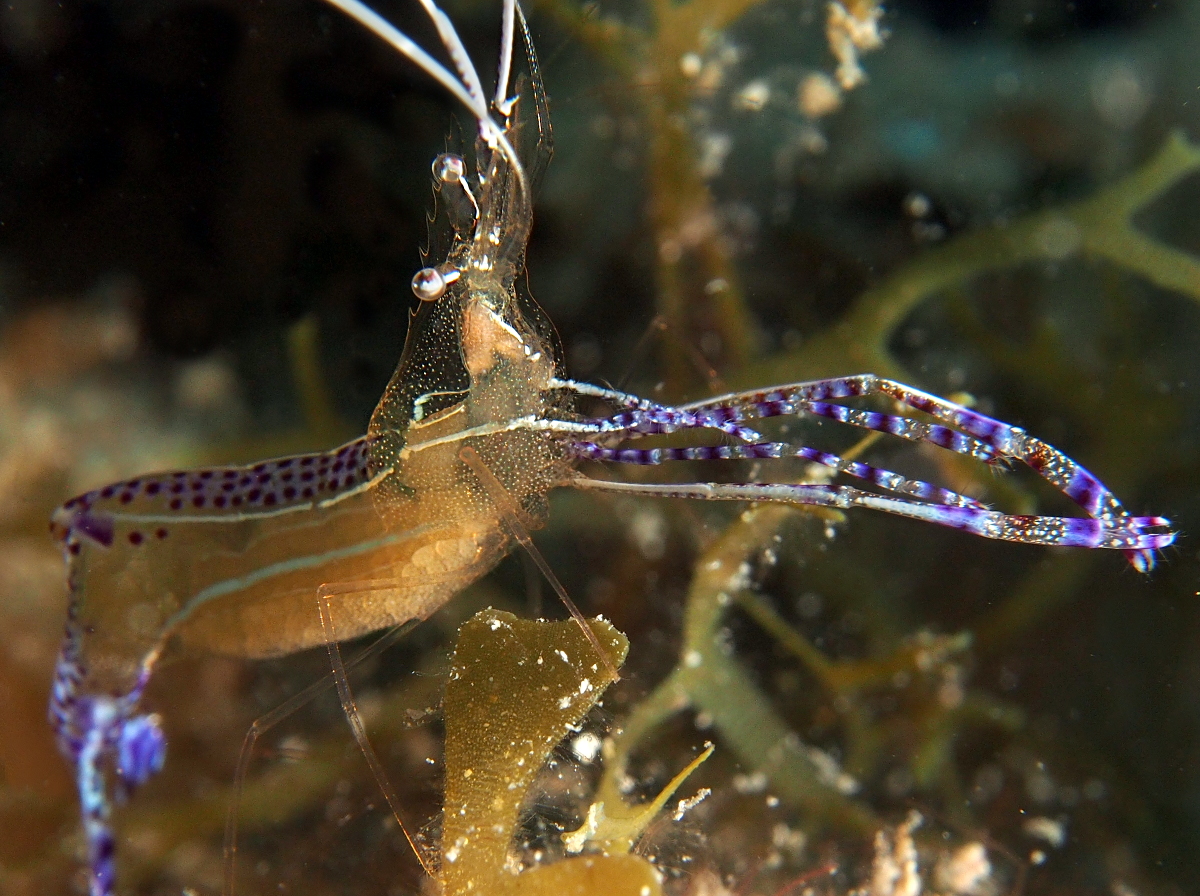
point(330, 663)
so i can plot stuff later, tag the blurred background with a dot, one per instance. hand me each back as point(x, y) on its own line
point(210, 213)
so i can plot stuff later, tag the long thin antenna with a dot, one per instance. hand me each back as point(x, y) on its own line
point(500, 100)
point(382, 28)
point(454, 47)
point(466, 88)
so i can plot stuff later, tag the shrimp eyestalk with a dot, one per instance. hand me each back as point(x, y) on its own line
point(475, 428)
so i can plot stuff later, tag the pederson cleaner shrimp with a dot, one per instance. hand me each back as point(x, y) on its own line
point(475, 428)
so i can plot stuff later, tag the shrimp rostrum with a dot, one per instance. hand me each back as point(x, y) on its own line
point(475, 428)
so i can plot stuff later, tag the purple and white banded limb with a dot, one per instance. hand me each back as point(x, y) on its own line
point(957, 429)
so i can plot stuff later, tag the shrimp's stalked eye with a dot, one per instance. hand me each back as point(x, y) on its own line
point(429, 284)
point(449, 168)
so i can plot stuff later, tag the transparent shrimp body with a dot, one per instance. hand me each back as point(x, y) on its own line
point(230, 559)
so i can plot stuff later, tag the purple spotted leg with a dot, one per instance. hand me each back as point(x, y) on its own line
point(97, 733)
point(989, 440)
point(1127, 534)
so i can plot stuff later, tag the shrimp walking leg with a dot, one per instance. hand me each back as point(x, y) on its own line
point(1141, 534)
point(265, 723)
point(775, 450)
point(350, 708)
point(999, 440)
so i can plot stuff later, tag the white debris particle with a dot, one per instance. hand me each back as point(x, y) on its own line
point(690, 65)
point(714, 149)
point(645, 890)
point(830, 772)
point(787, 838)
point(1043, 828)
point(755, 782)
point(693, 658)
point(741, 579)
point(563, 656)
point(565, 702)
point(852, 29)
point(966, 871)
point(894, 871)
point(753, 97)
point(1037, 857)
point(495, 624)
point(648, 528)
point(574, 841)
point(584, 686)
point(586, 747)
point(690, 803)
point(818, 95)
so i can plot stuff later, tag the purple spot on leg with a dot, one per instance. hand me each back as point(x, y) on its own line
point(1081, 533)
point(1084, 490)
point(99, 528)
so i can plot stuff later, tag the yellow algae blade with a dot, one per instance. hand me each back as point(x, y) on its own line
point(600, 875)
point(516, 689)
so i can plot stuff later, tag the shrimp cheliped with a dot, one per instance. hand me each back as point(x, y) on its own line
point(475, 428)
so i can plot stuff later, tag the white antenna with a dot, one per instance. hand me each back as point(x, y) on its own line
point(500, 101)
point(466, 88)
